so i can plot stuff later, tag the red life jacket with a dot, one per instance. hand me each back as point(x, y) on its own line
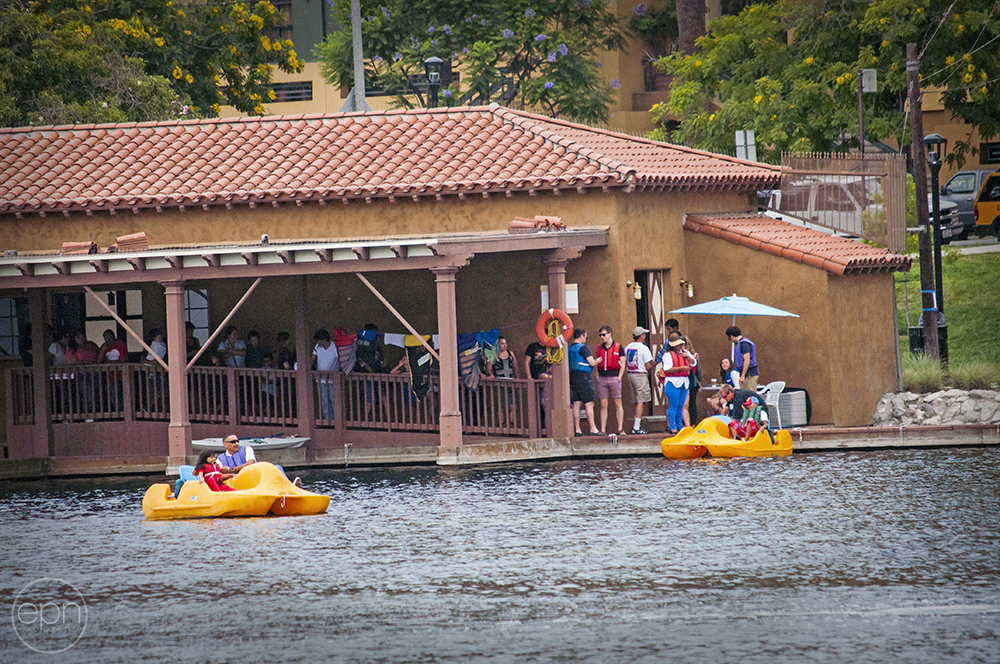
point(679, 362)
point(609, 359)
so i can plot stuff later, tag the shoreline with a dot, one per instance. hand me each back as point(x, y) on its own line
point(805, 440)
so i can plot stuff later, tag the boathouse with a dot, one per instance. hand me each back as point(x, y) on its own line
point(402, 219)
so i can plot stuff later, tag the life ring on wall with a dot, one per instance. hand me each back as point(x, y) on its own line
point(547, 328)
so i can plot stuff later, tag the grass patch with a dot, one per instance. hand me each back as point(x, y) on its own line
point(922, 374)
point(971, 306)
point(973, 376)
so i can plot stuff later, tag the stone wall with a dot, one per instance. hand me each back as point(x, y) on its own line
point(947, 407)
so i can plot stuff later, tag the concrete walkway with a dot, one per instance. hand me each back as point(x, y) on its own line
point(979, 245)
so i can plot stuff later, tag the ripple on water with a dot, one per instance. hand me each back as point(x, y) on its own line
point(878, 556)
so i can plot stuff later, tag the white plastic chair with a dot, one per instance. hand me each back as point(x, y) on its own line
point(772, 391)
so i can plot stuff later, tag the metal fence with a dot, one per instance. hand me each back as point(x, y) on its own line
point(860, 196)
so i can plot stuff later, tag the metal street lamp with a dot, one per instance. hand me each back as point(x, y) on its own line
point(432, 67)
point(937, 146)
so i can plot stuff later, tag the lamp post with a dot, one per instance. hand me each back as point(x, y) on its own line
point(432, 67)
point(937, 145)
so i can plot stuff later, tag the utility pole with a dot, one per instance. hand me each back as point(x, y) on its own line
point(920, 180)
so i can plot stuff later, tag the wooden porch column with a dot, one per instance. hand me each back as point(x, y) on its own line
point(179, 430)
point(451, 416)
point(306, 415)
point(562, 414)
point(42, 441)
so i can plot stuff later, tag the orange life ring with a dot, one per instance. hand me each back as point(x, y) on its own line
point(557, 340)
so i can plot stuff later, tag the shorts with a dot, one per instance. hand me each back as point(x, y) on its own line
point(581, 388)
point(640, 387)
point(609, 387)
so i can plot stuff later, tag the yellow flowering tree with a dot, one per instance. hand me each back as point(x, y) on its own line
point(64, 61)
point(789, 71)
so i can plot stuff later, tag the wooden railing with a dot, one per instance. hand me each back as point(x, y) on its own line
point(224, 396)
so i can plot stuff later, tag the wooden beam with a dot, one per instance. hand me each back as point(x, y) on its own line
point(399, 250)
point(223, 324)
point(62, 267)
point(399, 316)
point(114, 314)
point(250, 257)
point(361, 252)
point(211, 259)
point(138, 263)
point(286, 257)
point(176, 262)
point(325, 255)
point(99, 265)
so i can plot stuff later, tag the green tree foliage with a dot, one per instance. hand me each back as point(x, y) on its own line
point(539, 54)
point(789, 72)
point(68, 61)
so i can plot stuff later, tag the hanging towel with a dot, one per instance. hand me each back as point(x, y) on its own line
point(469, 352)
point(420, 361)
point(392, 339)
point(488, 340)
point(347, 347)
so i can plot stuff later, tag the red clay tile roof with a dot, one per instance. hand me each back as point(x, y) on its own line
point(802, 245)
point(376, 154)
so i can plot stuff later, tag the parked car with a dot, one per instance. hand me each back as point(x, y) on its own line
point(986, 210)
point(961, 189)
point(951, 226)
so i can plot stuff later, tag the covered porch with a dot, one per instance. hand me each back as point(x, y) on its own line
point(142, 410)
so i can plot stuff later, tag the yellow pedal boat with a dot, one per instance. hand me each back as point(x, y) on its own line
point(712, 437)
point(261, 489)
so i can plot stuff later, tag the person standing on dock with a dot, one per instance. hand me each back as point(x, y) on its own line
point(581, 363)
point(745, 358)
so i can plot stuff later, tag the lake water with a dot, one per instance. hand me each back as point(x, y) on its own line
point(849, 557)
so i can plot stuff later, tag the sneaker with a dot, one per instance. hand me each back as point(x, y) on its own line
point(297, 481)
point(639, 432)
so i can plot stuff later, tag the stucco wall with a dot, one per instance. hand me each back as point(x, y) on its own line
point(863, 352)
point(795, 350)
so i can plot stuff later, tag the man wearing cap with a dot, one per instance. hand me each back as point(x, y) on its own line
point(731, 401)
point(754, 419)
point(235, 458)
point(638, 360)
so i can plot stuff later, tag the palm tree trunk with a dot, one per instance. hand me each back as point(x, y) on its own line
point(690, 24)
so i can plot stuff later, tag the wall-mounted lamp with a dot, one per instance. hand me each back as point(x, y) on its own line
point(635, 288)
point(685, 284)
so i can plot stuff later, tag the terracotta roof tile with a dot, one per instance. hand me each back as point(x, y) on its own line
point(340, 155)
point(834, 254)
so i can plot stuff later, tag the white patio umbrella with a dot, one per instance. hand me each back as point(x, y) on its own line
point(733, 305)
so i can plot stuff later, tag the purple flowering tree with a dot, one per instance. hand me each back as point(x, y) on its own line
point(538, 55)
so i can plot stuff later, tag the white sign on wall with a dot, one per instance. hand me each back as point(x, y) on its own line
point(572, 299)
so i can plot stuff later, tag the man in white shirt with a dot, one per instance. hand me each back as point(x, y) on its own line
point(325, 358)
point(233, 350)
point(638, 360)
point(236, 457)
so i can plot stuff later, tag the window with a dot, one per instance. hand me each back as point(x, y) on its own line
point(196, 312)
point(293, 91)
point(9, 337)
point(284, 31)
point(989, 153)
point(127, 304)
point(964, 183)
